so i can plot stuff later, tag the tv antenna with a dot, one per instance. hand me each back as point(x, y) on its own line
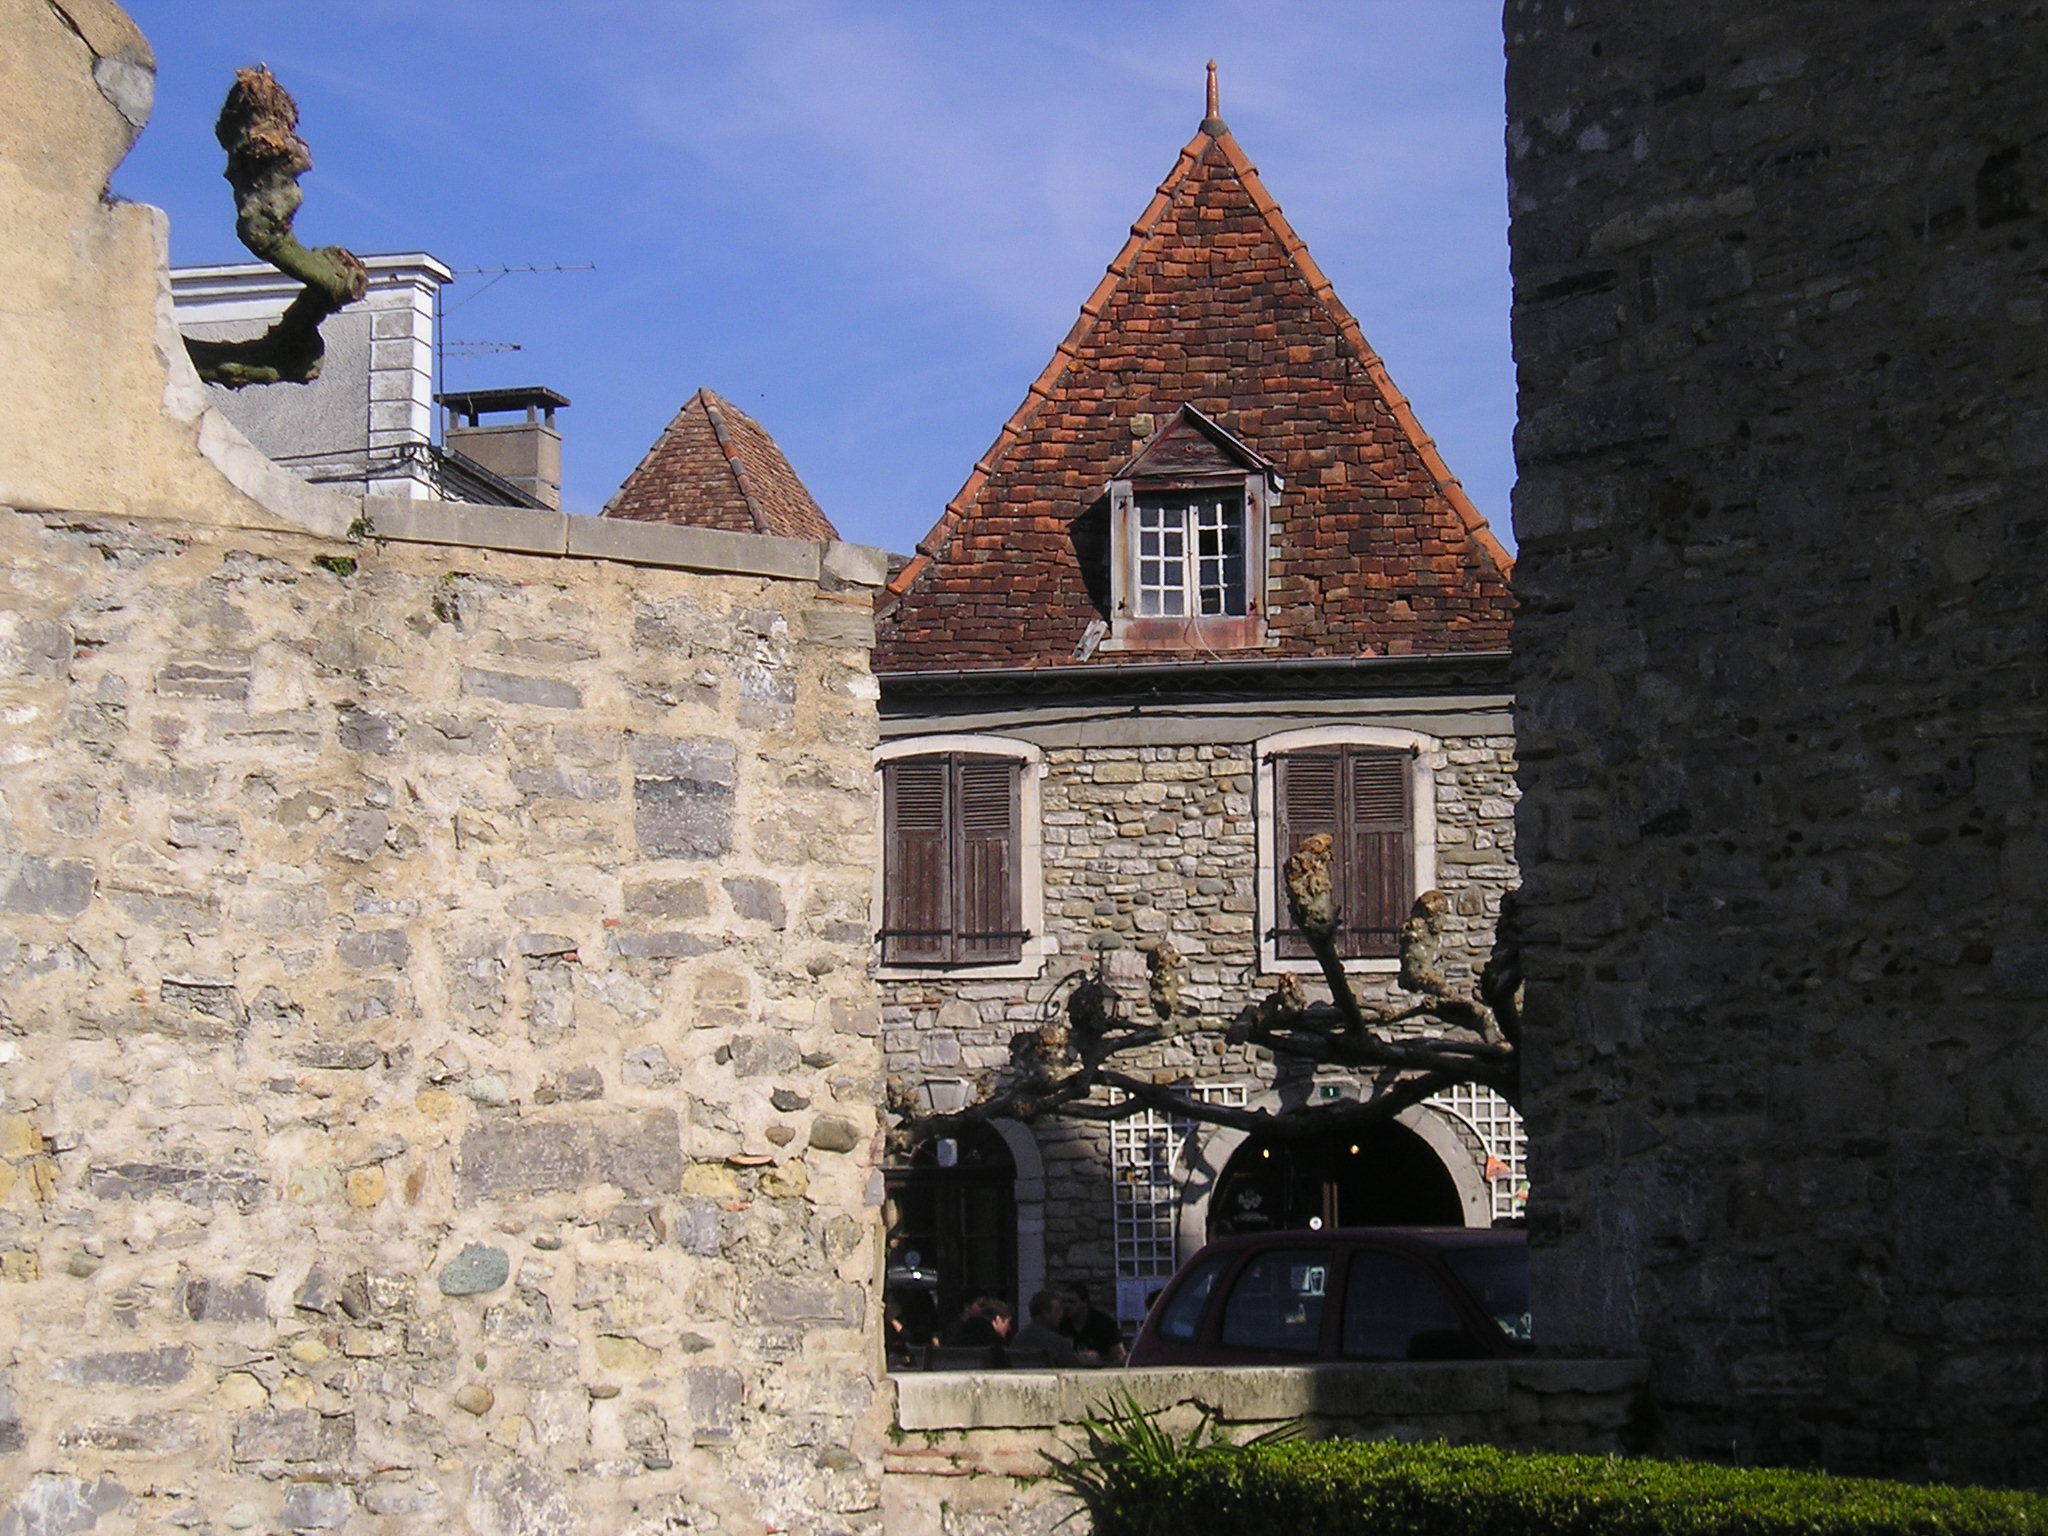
point(443, 348)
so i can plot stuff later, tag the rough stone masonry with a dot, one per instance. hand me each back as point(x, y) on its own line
point(439, 1067)
point(437, 1062)
point(1779, 287)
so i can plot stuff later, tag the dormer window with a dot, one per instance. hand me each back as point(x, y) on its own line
point(1191, 553)
point(1188, 519)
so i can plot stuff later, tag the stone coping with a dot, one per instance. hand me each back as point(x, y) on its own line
point(964, 1400)
point(832, 564)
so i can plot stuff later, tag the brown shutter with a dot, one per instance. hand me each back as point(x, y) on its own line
point(1378, 875)
point(1306, 788)
point(917, 915)
point(987, 883)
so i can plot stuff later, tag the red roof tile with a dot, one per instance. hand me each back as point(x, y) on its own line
point(714, 466)
point(1214, 303)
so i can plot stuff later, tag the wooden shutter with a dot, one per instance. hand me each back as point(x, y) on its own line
point(986, 878)
point(1308, 785)
point(917, 910)
point(1376, 882)
point(951, 892)
point(1360, 797)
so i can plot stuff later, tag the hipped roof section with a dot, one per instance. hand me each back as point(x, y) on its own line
point(714, 466)
point(1213, 302)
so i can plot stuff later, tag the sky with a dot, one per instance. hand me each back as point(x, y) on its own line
point(867, 223)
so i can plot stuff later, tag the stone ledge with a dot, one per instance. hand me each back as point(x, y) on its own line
point(444, 522)
point(965, 1400)
point(714, 551)
point(1578, 1375)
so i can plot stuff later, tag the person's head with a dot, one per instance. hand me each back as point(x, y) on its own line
point(1074, 1297)
point(1045, 1308)
point(1001, 1314)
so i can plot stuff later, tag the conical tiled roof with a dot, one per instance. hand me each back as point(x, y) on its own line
point(1213, 303)
point(714, 466)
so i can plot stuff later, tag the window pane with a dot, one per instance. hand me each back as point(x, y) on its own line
point(1162, 577)
point(1498, 1279)
point(1191, 554)
point(1277, 1302)
point(1395, 1310)
point(1219, 536)
point(1183, 1314)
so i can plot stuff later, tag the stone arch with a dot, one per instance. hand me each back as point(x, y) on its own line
point(1030, 1204)
point(1211, 1148)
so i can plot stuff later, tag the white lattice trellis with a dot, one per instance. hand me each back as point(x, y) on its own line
point(1146, 1151)
point(1499, 1129)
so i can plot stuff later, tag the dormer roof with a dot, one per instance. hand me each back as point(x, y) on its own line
point(714, 466)
point(1190, 444)
point(1214, 305)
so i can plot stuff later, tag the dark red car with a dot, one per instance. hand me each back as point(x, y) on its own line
point(1354, 1293)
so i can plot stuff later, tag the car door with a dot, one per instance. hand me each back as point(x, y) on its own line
point(1395, 1307)
point(1277, 1308)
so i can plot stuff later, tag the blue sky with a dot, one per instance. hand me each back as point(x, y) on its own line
point(866, 224)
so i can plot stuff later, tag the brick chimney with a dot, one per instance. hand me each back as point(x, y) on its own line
point(528, 453)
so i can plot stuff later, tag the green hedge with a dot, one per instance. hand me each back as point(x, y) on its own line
point(1379, 1488)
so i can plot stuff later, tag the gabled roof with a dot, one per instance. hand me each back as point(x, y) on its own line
point(714, 466)
point(1214, 303)
point(1191, 442)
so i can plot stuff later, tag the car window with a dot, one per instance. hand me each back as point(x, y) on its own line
point(1277, 1302)
point(1183, 1314)
point(1394, 1309)
point(1498, 1279)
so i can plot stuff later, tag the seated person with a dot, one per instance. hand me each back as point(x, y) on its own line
point(976, 1325)
point(1042, 1337)
point(1094, 1333)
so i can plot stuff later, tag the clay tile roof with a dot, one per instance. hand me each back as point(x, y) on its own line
point(715, 467)
point(1213, 303)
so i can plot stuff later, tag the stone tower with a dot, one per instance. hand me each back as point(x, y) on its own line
point(1778, 304)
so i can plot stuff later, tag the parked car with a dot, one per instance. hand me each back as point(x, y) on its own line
point(1351, 1293)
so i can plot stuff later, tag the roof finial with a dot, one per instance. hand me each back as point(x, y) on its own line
point(1212, 122)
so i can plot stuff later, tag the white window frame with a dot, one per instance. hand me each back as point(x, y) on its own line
point(1423, 752)
point(1129, 629)
point(1037, 948)
point(1182, 518)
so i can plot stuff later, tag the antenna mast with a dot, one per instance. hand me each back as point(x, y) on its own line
point(442, 346)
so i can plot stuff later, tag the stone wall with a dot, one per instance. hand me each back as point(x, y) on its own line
point(1143, 843)
point(439, 1062)
point(968, 1455)
point(1778, 286)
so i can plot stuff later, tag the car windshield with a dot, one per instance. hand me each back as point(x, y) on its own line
point(1498, 1279)
point(1183, 1314)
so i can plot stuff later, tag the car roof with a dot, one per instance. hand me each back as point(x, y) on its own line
point(1438, 1238)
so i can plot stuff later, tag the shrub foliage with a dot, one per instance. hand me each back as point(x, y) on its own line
point(1380, 1488)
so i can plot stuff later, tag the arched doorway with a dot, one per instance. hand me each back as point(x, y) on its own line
point(1386, 1176)
point(952, 1223)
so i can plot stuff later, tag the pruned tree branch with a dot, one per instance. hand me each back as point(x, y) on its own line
point(1067, 1067)
point(258, 128)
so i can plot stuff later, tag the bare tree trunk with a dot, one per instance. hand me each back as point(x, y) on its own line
point(1067, 1067)
point(258, 128)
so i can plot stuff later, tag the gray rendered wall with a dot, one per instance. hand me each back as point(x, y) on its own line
point(1778, 303)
